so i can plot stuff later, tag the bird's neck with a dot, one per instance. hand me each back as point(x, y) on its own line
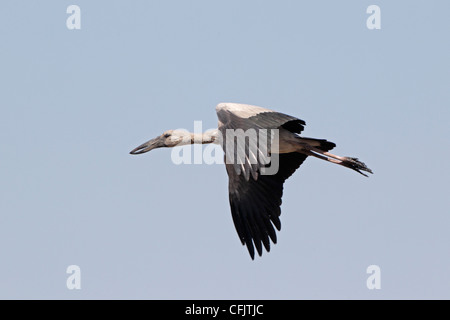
point(209, 136)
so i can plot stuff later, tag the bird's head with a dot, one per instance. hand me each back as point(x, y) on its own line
point(169, 139)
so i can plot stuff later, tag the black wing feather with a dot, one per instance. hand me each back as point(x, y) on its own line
point(255, 204)
point(255, 199)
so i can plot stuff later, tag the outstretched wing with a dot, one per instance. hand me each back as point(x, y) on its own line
point(255, 204)
point(255, 199)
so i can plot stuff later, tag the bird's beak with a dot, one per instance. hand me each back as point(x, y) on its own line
point(149, 145)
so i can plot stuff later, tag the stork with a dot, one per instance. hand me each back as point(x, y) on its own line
point(255, 197)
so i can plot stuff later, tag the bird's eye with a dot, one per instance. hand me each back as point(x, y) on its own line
point(166, 135)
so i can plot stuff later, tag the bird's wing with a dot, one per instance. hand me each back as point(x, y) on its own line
point(251, 119)
point(255, 199)
point(255, 204)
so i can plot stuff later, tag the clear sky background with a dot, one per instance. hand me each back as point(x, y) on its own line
point(73, 103)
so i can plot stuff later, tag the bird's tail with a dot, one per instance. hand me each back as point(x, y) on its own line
point(321, 144)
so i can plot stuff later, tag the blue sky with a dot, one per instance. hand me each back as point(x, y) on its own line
point(75, 102)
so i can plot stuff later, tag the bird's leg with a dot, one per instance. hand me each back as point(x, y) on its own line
point(349, 162)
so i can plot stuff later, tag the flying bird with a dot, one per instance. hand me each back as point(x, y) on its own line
point(255, 191)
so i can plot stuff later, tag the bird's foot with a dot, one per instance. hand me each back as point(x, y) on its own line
point(358, 166)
